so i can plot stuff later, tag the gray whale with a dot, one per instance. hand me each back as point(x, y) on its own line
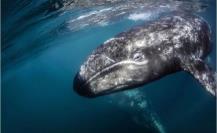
point(148, 52)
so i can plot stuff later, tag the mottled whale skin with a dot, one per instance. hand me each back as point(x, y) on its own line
point(148, 52)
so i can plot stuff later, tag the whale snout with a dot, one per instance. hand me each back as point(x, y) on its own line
point(81, 87)
point(86, 81)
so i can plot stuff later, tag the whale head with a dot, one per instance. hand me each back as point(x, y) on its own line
point(116, 65)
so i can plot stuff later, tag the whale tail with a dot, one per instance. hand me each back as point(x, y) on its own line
point(203, 73)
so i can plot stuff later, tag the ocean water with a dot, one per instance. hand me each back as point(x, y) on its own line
point(44, 42)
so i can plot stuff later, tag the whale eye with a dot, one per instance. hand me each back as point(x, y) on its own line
point(138, 56)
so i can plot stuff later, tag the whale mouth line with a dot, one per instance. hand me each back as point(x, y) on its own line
point(104, 92)
point(105, 70)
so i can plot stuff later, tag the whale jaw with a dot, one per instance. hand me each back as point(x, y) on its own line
point(119, 76)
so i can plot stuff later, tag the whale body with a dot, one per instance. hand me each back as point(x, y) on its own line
point(175, 42)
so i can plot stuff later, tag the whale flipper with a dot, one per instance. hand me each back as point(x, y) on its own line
point(203, 73)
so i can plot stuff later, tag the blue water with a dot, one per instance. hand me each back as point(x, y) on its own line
point(43, 48)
